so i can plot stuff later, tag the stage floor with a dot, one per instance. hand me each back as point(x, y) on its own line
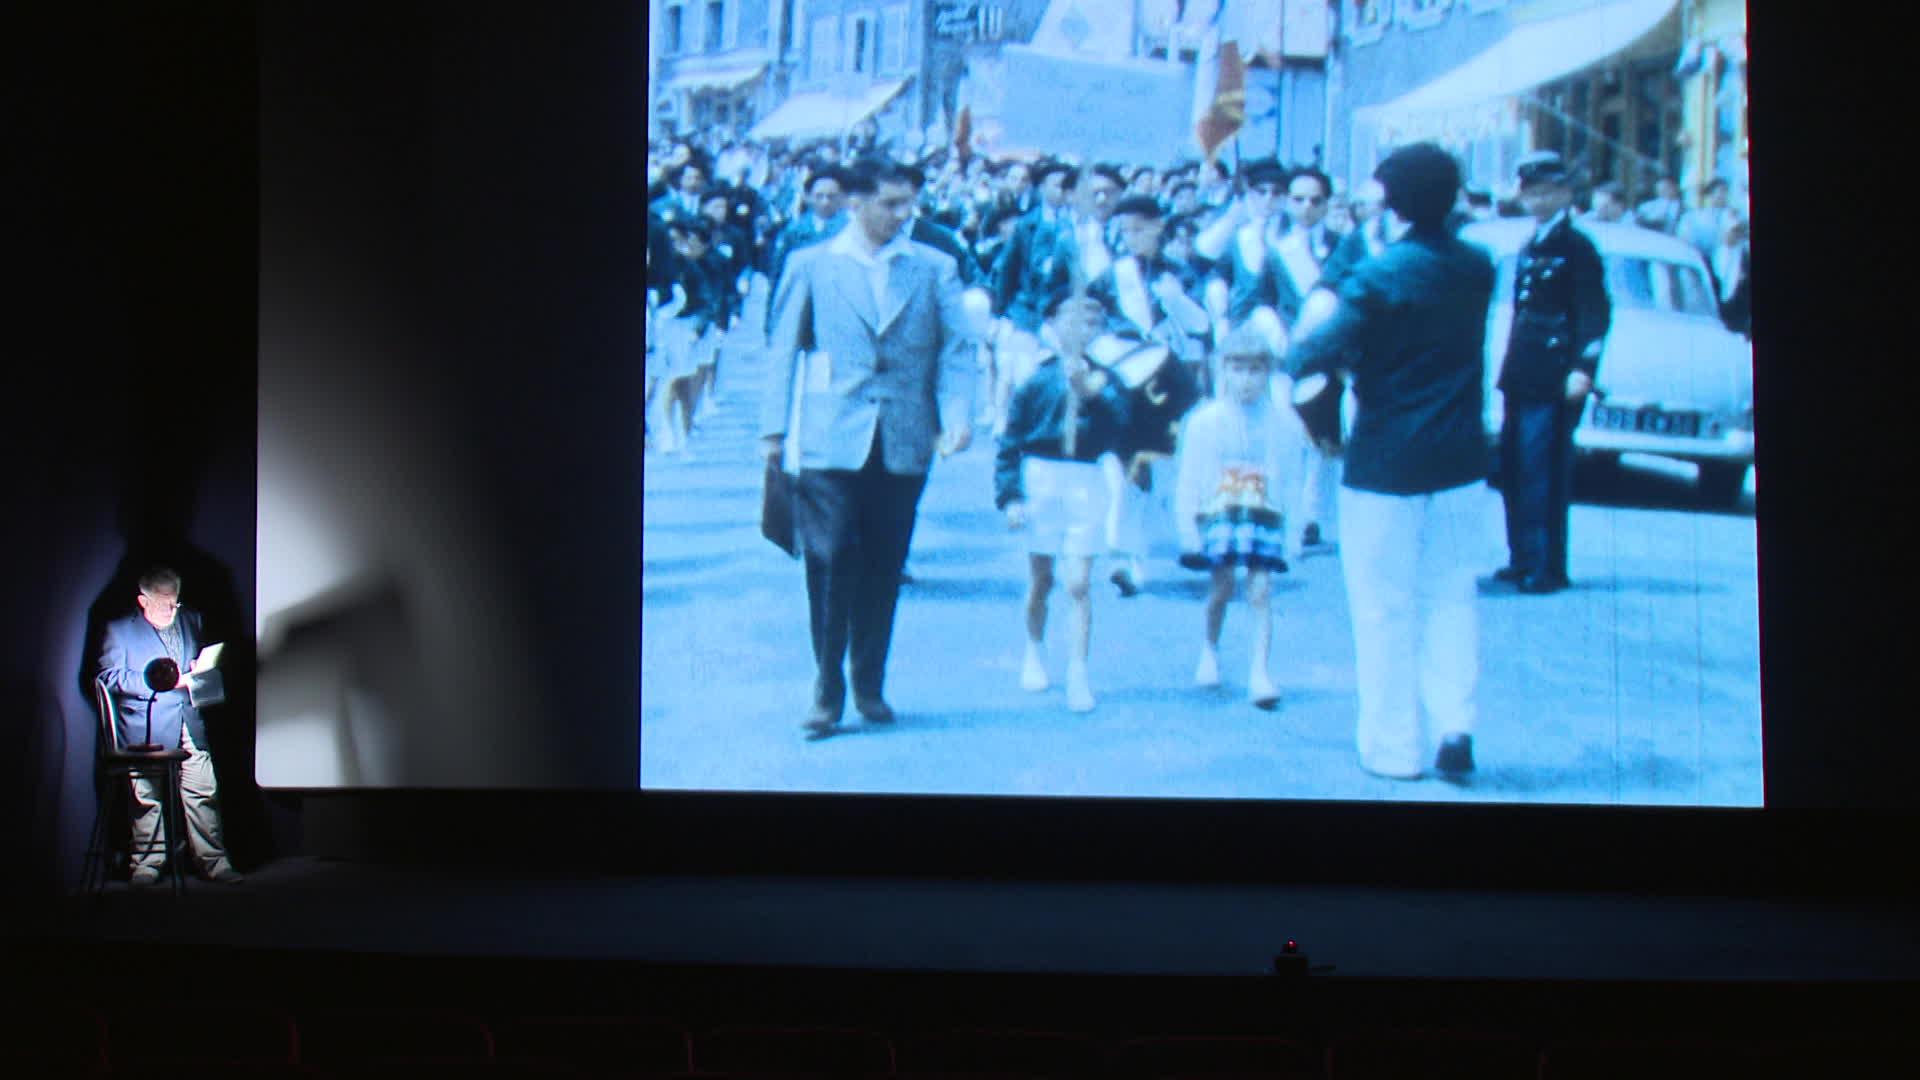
point(1002, 927)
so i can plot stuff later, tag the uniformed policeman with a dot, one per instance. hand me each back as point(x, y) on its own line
point(1560, 318)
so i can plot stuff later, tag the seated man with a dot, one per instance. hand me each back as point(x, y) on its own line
point(164, 630)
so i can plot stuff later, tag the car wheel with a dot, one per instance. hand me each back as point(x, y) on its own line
point(1722, 483)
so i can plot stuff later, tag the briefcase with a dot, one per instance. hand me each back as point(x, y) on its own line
point(776, 509)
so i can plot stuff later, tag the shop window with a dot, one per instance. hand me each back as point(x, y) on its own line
point(1366, 20)
point(1421, 14)
point(823, 48)
point(672, 30)
point(893, 53)
point(992, 21)
point(858, 56)
point(716, 26)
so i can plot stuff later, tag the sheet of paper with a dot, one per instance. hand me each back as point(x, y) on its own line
point(206, 689)
point(209, 657)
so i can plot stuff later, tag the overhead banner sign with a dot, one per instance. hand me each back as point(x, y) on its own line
point(1097, 110)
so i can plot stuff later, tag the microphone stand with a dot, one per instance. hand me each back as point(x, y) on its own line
point(161, 676)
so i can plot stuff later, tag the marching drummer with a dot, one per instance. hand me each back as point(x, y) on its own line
point(1047, 480)
point(1151, 298)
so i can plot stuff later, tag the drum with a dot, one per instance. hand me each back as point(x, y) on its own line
point(1160, 388)
point(1318, 398)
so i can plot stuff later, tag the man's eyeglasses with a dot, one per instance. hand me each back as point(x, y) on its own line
point(163, 605)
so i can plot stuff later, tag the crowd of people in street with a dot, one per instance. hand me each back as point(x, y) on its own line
point(1246, 359)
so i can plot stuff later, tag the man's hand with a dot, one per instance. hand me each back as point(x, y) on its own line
point(1016, 515)
point(959, 439)
point(772, 446)
point(1579, 383)
point(1080, 376)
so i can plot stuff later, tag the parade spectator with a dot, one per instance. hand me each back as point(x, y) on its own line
point(1234, 455)
point(1732, 266)
point(875, 400)
point(1561, 313)
point(1609, 205)
point(1664, 210)
point(1412, 325)
point(1705, 225)
point(1062, 420)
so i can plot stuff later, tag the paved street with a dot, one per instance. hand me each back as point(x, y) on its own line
point(1640, 685)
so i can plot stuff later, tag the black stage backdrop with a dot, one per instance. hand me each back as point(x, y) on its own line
point(438, 208)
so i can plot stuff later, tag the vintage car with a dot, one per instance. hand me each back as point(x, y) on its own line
point(1673, 381)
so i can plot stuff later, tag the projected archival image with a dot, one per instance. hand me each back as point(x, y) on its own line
point(1247, 399)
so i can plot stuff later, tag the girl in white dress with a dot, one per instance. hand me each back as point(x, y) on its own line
point(1227, 502)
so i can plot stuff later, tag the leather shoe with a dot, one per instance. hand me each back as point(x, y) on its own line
point(873, 710)
point(1311, 536)
point(1511, 575)
point(823, 720)
point(1123, 580)
point(1455, 757)
point(1542, 584)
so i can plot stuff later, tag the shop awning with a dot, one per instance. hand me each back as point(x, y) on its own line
point(728, 78)
point(820, 116)
point(1532, 54)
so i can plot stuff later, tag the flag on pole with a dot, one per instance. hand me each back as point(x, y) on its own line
point(963, 135)
point(1260, 30)
point(1219, 94)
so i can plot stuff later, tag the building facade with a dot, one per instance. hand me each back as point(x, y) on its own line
point(710, 63)
point(847, 67)
point(1598, 81)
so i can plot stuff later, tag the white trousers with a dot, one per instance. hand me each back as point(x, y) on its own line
point(1411, 564)
point(202, 814)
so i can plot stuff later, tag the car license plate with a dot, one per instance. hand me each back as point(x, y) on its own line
point(1646, 421)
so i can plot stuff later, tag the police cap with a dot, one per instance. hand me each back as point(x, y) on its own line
point(1542, 167)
